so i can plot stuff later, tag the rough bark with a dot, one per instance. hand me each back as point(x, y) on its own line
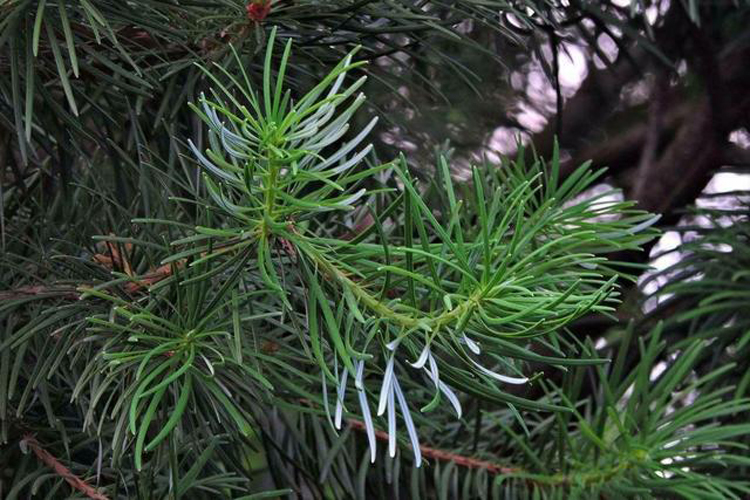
point(664, 161)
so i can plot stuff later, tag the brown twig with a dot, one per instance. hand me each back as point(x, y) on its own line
point(437, 454)
point(53, 463)
point(115, 260)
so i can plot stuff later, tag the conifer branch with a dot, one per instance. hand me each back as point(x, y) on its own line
point(60, 469)
point(446, 456)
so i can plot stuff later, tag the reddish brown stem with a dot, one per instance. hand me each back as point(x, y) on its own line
point(434, 453)
point(53, 463)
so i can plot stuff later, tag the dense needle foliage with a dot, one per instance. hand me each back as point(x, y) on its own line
point(260, 305)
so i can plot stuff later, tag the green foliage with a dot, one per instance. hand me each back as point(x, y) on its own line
point(71, 70)
point(505, 269)
point(107, 81)
point(229, 329)
point(427, 284)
